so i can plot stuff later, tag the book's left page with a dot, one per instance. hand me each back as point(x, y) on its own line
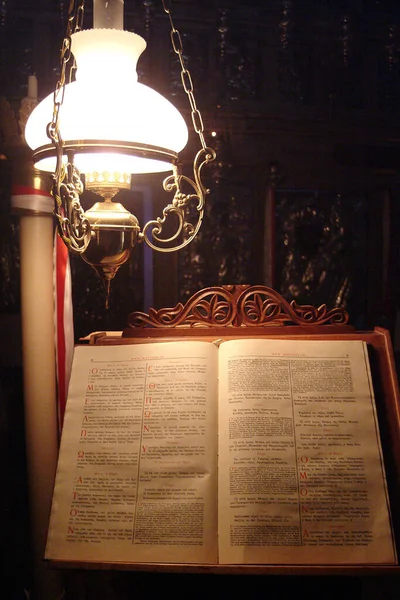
point(136, 476)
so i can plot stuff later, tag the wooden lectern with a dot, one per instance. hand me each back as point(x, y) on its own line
point(250, 311)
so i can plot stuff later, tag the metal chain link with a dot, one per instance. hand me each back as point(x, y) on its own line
point(74, 24)
point(186, 78)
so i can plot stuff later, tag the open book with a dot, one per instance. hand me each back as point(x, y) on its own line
point(250, 451)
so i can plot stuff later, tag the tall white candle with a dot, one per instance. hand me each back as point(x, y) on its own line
point(108, 14)
point(32, 86)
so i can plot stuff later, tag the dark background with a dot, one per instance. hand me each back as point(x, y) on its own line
point(303, 97)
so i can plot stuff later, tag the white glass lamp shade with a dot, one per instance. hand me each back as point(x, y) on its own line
point(107, 108)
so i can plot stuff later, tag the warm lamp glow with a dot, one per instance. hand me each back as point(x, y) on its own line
point(107, 104)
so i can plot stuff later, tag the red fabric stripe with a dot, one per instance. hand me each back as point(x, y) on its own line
point(61, 268)
point(21, 190)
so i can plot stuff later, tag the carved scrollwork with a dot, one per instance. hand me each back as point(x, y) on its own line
point(180, 207)
point(259, 305)
point(240, 305)
point(207, 308)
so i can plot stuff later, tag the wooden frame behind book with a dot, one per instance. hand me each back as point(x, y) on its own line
point(258, 311)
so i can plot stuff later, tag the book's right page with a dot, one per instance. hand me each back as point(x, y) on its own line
point(301, 475)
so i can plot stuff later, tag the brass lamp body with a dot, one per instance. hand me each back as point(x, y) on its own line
point(114, 233)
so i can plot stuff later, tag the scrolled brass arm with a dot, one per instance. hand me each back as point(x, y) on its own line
point(152, 231)
point(72, 223)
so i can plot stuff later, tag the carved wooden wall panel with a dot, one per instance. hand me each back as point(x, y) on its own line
point(321, 240)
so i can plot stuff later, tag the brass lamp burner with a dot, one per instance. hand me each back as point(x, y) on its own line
point(107, 184)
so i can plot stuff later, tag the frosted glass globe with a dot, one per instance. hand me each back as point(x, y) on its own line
point(106, 104)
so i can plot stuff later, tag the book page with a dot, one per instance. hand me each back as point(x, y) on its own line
point(137, 474)
point(301, 478)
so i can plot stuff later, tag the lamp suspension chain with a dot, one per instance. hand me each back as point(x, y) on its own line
point(74, 24)
point(180, 205)
point(185, 75)
point(66, 179)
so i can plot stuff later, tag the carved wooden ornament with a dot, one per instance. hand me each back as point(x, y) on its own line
point(238, 306)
